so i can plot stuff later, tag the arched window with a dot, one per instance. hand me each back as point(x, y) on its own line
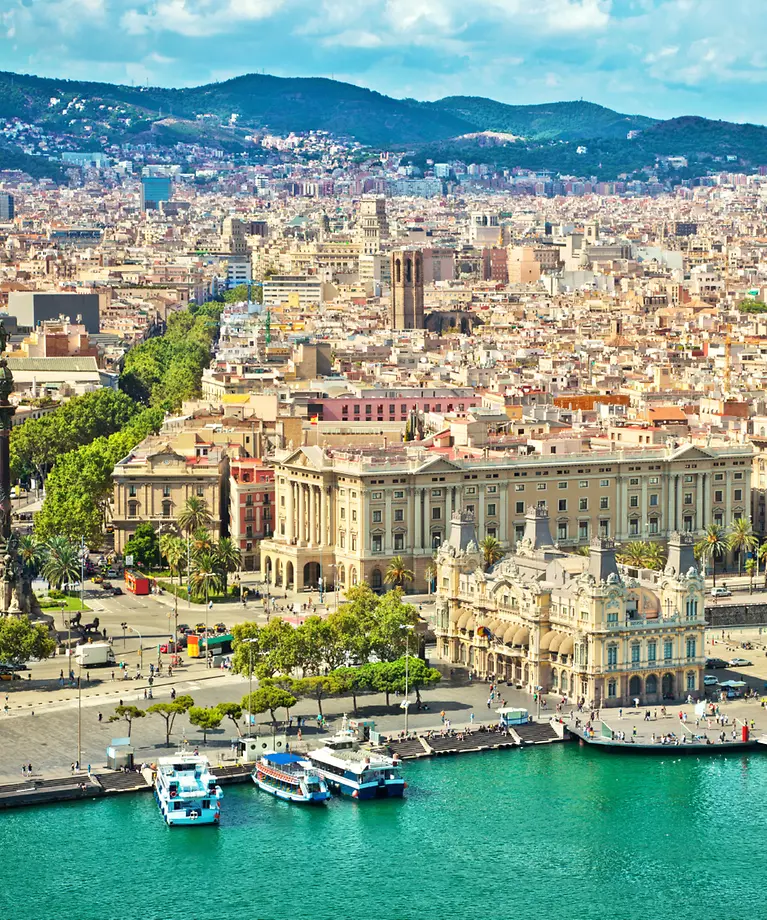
point(417, 270)
point(651, 685)
point(554, 678)
point(398, 270)
point(691, 680)
point(375, 578)
point(635, 686)
point(409, 271)
point(353, 576)
point(611, 689)
point(692, 608)
point(132, 509)
point(166, 509)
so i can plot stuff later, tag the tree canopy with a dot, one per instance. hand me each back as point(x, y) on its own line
point(22, 641)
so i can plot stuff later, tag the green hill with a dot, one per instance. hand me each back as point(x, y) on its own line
point(552, 121)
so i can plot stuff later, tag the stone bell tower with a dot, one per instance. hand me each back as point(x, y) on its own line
point(406, 310)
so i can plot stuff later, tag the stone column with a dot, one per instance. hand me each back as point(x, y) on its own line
point(669, 505)
point(290, 512)
point(312, 515)
point(387, 523)
point(727, 499)
point(417, 537)
point(480, 513)
point(679, 495)
point(301, 513)
point(700, 479)
point(323, 517)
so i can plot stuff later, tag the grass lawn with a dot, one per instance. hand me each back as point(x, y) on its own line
point(68, 603)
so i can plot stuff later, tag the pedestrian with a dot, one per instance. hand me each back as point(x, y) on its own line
point(100, 717)
point(87, 677)
point(23, 769)
point(620, 712)
point(299, 735)
point(29, 768)
point(489, 703)
point(144, 692)
point(113, 675)
point(471, 717)
point(72, 768)
point(442, 715)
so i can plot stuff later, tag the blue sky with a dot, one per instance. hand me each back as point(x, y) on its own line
point(656, 57)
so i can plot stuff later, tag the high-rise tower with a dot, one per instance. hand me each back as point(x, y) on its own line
point(373, 227)
point(406, 310)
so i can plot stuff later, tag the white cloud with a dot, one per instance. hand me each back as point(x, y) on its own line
point(197, 18)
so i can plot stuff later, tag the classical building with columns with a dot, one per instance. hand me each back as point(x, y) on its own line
point(341, 515)
point(581, 627)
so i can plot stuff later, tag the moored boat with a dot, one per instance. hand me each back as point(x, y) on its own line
point(186, 791)
point(356, 773)
point(290, 777)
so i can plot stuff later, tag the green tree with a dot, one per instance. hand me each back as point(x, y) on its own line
point(633, 554)
point(762, 556)
point(169, 711)
point(655, 557)
point(712, 546)
point(206, 718)
point(314, 645)
point(491, 550)
point(206, 578)
point(353, 681)
point(419, 675)
point(194, 514)
point(228, 558)
point(127, 714)
point(751, 566)
point(173, 551)
point(243, 652)
point(62, 563)
point(318, 688)
point(268, 698)
point(22, 641)
point(232, 711)
point(276, 649)
point(144, 547)
point(389, 635)
point(397, 572)
point(383, 677)
point(350, 636)
point(741, 539)
point(31, 555)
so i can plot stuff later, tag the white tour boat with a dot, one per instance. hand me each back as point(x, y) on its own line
point(290, 777)
point(186, 791)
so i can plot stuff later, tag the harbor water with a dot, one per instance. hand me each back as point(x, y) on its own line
point(556, 831)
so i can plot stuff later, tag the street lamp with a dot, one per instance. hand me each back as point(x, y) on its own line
point(249, 643)
point(140, 644)
point(208, 605)
point(124, 627)
point(406, 702)
point(79, 713)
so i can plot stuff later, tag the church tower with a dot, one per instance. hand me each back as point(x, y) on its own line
point(406, 310)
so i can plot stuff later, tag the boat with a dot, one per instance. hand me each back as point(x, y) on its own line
point(186, 791)
point(361, 774)
point(290, 777)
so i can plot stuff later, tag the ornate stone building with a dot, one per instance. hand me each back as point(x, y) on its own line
point(578, 626)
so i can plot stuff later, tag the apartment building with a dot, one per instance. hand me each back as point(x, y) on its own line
point(343, 515)
point(251, 507)
point(582, 628)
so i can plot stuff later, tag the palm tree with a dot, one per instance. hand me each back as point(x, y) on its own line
point(31, 555)
point(431, 573)
point(202, 541)
point(398, 573)
point(655, 558)
point(62, 565)
point(751, 566)
point(712, 546)
point(633, 554)
point(492, 550)
point(172, 549)
point(206, 576)
point(741, 539)
point(762, 555)
point(228, 558)
point(195, 514)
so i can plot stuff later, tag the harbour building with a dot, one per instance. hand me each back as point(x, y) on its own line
point(580, 626)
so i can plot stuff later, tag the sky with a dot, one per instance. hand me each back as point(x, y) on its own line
point(655, 57)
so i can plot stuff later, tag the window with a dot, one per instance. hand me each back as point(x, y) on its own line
point(132, 491)
point(653, 480)
point(654, 500)
point(520, 508)
point(562, 531)
point(583, 530)
point(654, 525)
point(738, 475)
point(343, 514)
point(612, 655)
point(668, 650)
point(519, 487)
point(541, 486)
point(688, 478)
point(492, 532)
point(688, 523)
point(132, 509)
point(377, 496)
point(738, 495)
point(377, 543)
point(519, 532)
point(604, 529)
point(563, 504)
point(652, 650)
point(611, 689)
point(399, 494)
point(688, 498)
point(469, 509)
point(635, 653)
point(690, 647)
point(354, 542)
point(492, 489)
point(562, 485)
point(436, 493)
point(633, 501)
point(604, 503)
point(718, 495)
point(604, 483)
point(354, 514)
point(718, 519)
point(583, 483)
point(399, 514)
point(583, 504)
point(399, 541)
point(692, 608)
point(436, 514)
point(691, 680)
point(166, 491)
point(376, 517)
point(491, 511)
point(718, 477)
point(470, 490)
point(342, 539)
point(436, 539)
point(634, 527)
point(633, 482)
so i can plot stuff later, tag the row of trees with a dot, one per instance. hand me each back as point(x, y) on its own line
point(284, 693)
point(365, 628)
point(642, 554)
point(166, 370)
point(740, 539)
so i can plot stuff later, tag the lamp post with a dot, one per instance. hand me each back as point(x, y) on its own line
point(249, 643)
point(82, 571)
point(140, 644)
point(79, 713)
point(124, 626)
point(208, 605)
point(406, 702)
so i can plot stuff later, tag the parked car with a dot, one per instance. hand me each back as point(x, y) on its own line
point(739, 663)
point(713, 663)
point(221, 628)
point(10, 675)
point(106, 585)
point(184, 627)
point(709, 680)
point(117, 590)
point(721, 592)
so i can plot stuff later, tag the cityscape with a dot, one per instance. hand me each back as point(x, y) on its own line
point(383, 468)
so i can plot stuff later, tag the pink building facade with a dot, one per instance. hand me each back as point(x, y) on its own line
point(251, 507)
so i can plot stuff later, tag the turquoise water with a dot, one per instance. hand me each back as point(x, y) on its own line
point(554, 832)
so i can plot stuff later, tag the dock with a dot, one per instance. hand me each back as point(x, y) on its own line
point(683, 740)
